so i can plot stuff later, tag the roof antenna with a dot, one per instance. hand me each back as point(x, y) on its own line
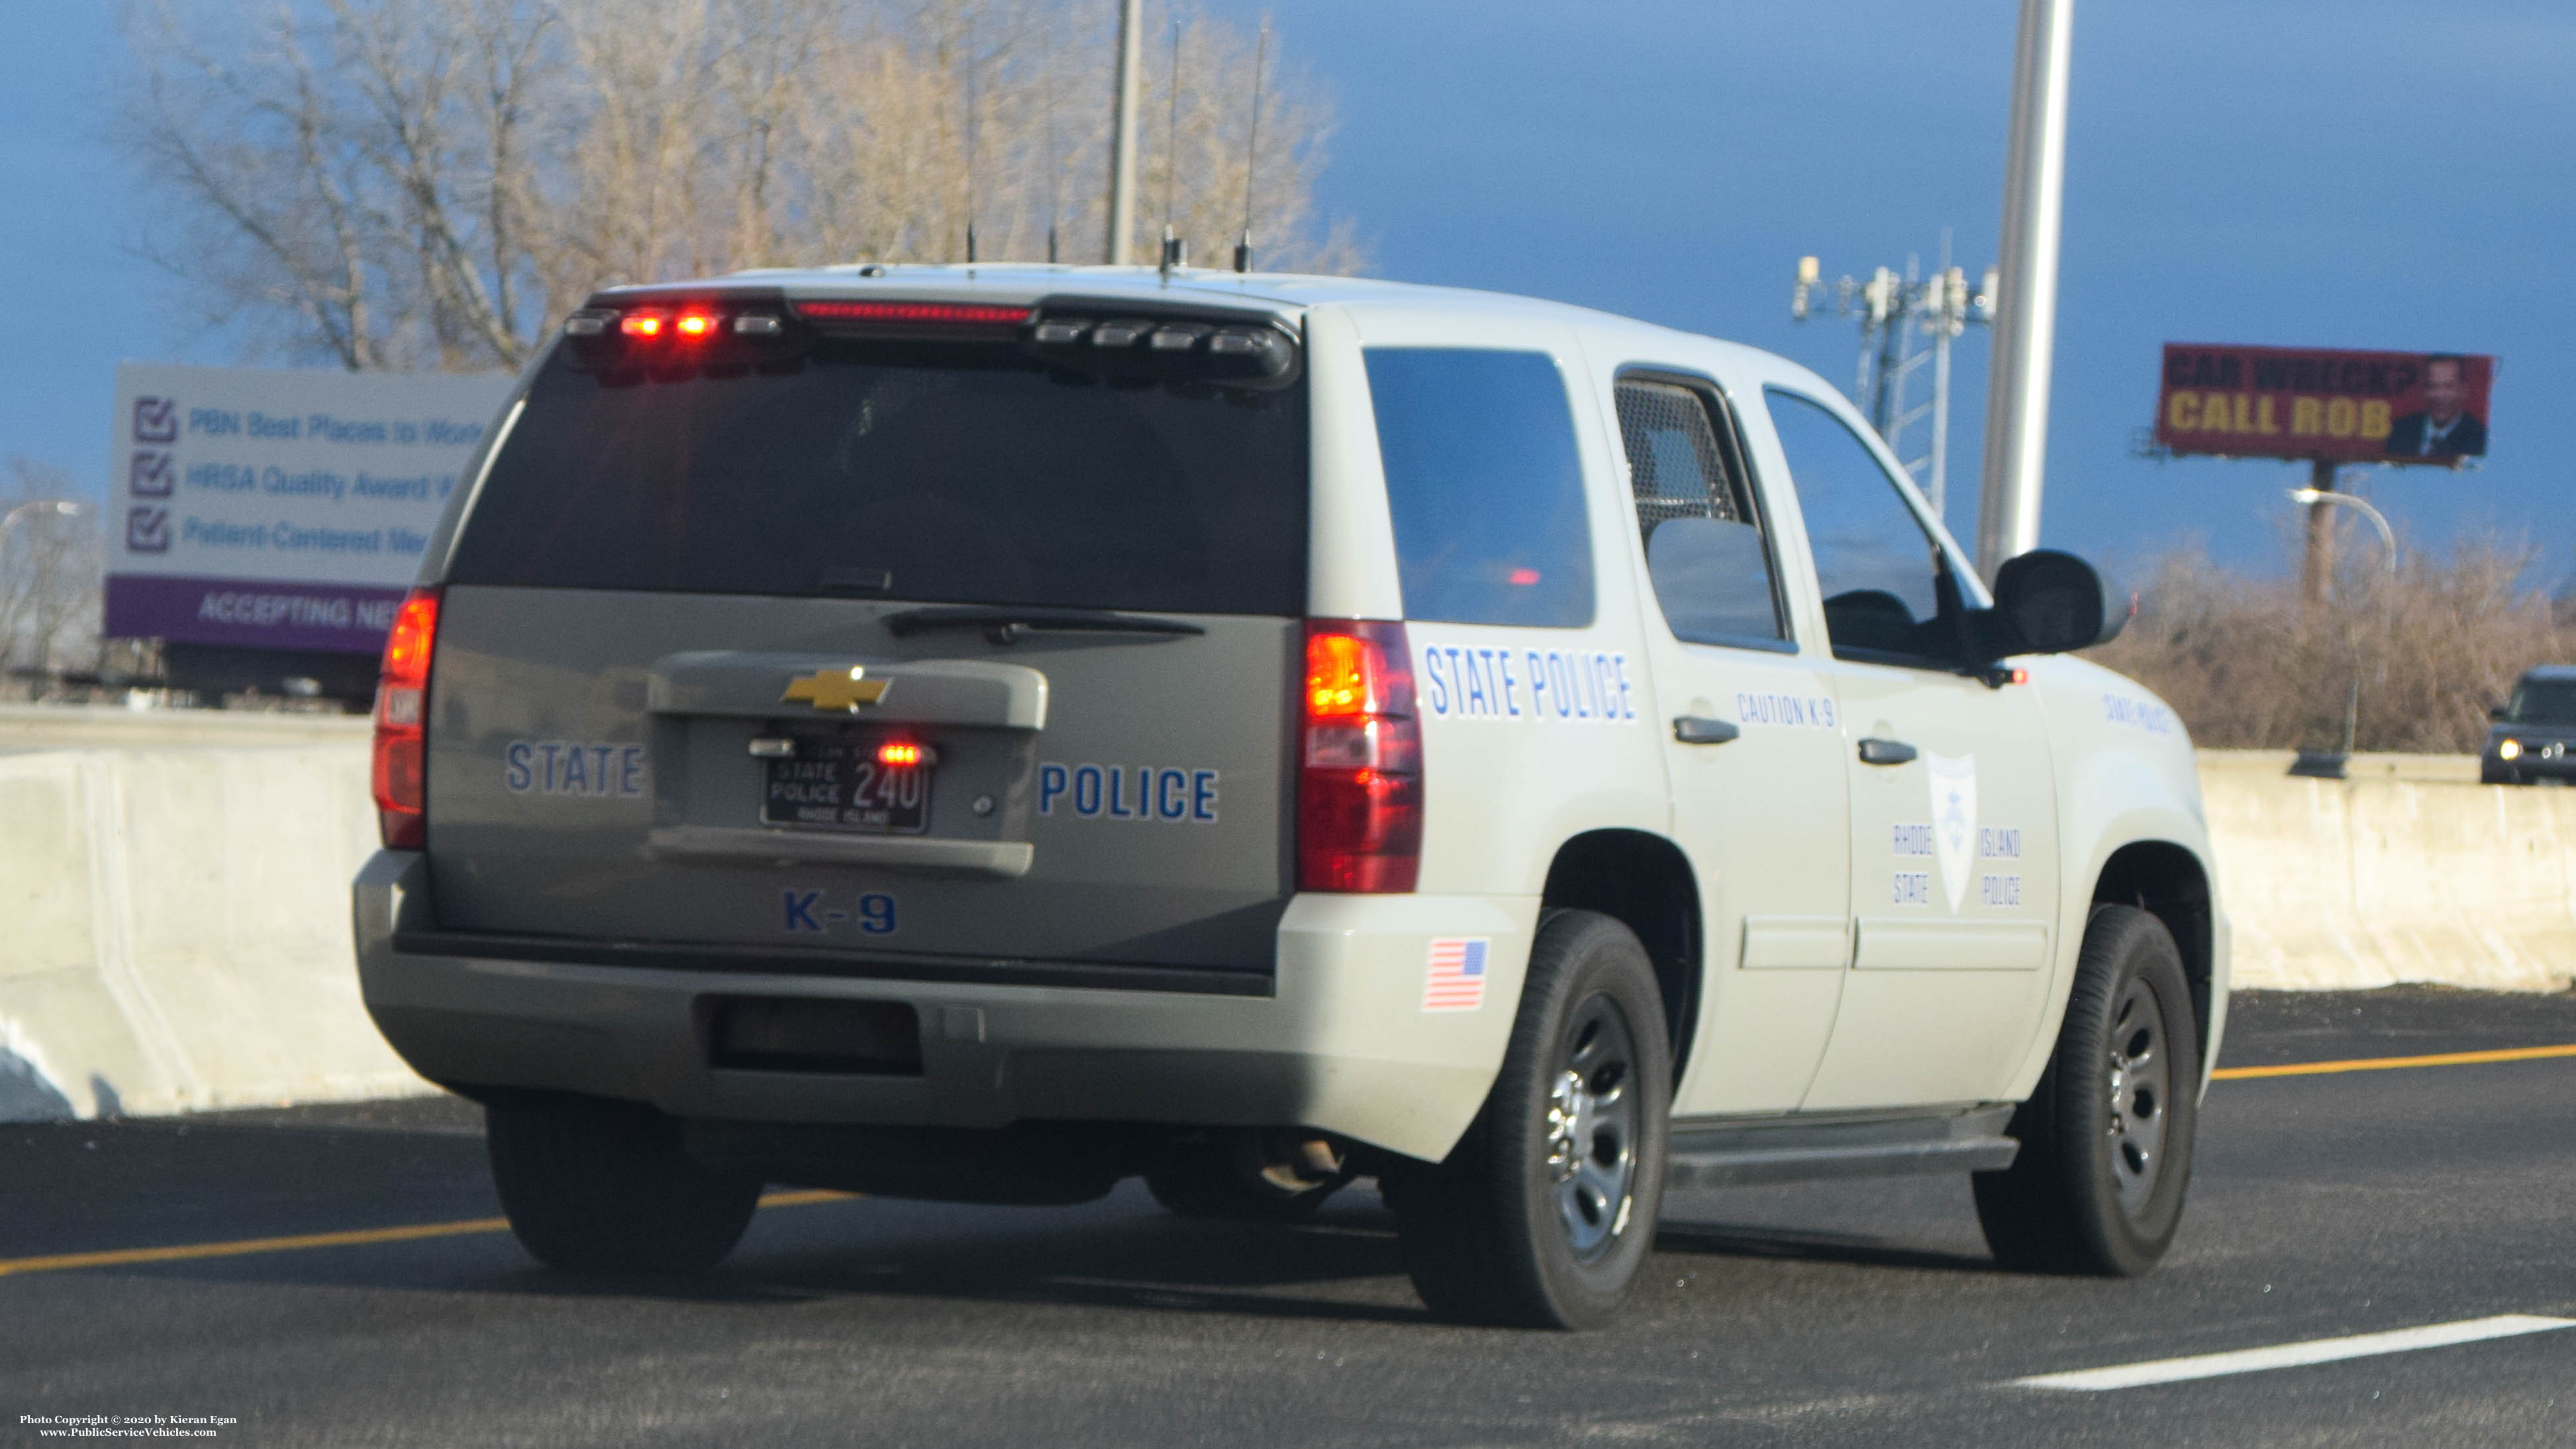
point(1176, 253)
point(1252, 151)
point(1046, 69)
point(970, 143)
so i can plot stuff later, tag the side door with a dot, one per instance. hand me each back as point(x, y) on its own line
point(1752, 747)
point(1952, 799)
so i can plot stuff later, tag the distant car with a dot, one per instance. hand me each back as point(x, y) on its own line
point(2533, 738)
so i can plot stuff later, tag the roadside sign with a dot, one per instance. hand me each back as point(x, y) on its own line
point(2319, 403)
point(281, 509)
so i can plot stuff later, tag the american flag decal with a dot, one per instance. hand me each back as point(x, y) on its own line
point(1456, 981)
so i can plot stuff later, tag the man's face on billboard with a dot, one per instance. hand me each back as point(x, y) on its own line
point(2442, 391)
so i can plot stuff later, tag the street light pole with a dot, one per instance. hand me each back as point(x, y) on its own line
point(2026, 309)
point(1122, 142)
point(2319, 499)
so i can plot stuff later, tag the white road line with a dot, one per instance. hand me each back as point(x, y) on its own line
point(2291, 1355)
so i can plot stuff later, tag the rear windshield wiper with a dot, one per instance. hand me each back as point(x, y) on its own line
point(1004, 624)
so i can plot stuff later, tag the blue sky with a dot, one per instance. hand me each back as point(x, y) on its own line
point(2295, 172)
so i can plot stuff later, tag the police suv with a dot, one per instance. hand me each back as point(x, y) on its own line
point(982, 733)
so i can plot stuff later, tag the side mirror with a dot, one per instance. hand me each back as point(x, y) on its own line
point(2048, 602)
point(2499, 712)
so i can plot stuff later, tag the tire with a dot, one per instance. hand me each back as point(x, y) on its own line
point(1231, 1177)
point(1546, 1210)
point(594, 1186)
point(2106, 1140)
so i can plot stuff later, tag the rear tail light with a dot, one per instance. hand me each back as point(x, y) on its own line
point(1359, 786)
point(402, 723)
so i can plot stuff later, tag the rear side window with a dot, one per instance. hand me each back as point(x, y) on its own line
point(1485, 485)
point(1705, 551)
point(950, 472)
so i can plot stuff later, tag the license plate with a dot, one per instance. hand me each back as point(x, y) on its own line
point(837, 783)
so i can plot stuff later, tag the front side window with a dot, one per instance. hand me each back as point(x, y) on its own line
point(1881, 575)
point(1485, 485)
point(1705, 552)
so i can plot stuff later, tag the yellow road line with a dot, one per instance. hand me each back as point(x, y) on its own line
point(2389, 1064)
point(413, 1232)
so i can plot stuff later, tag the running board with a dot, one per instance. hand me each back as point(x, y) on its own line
point(1740, 1155)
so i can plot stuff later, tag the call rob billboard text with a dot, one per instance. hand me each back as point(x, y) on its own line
point(2342, 406)
point(281, 509)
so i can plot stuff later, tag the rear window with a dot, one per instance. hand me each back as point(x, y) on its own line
point(954, 473)
point(1485, 486)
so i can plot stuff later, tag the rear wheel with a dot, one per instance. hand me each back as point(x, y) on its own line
point(594, 1186)
point(2106, 1140)
point(1546, 1209)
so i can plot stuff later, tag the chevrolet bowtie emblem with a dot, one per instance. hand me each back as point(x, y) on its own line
point(836, 689)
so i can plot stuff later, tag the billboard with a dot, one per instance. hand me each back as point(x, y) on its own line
point(280, 509)
point(2296, 402)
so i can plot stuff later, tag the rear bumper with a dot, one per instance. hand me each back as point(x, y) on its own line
point(1340, 1045)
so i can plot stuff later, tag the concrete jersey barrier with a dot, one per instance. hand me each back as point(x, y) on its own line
point(175, 893)
point(177, 917)
point(2408, 871)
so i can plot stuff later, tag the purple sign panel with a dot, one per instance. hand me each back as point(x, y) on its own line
point(345, 618)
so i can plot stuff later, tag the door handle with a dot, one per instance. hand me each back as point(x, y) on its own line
point(1885, 752)
point(1694, 729)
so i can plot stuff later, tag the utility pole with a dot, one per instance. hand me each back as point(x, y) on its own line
point(2026, 306)
point(1892, 312)
point(1122, 146)
point(2317, 566)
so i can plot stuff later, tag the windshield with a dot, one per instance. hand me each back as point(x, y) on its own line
point(2543, 702)
point(947, 472)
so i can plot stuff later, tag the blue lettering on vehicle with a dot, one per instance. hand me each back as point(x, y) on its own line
point(805, 913)
point(1161, 793)
point(2137, 714)
point(1999, 842)
point(1789, 711)
point(1505, 683)
point(578, 768)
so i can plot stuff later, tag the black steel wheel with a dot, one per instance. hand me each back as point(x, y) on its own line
point(595, 1186)
point(2106, 1140)
point(1545, 1211)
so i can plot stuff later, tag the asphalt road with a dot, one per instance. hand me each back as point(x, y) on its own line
point(2324, 1206)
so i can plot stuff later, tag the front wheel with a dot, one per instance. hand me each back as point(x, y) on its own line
point(1545, 1211)
point(2106, 1140)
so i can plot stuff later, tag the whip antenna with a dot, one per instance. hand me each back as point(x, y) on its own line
point(1176, 253)
point(970, 143)
point(1252, 151)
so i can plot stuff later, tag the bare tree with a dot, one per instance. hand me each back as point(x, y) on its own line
point(431, 183)
point(2431, 649)
point(49, 576)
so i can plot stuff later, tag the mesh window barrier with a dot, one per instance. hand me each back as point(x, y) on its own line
point(1673, 460)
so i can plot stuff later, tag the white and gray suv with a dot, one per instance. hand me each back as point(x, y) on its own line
point(984, 733)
